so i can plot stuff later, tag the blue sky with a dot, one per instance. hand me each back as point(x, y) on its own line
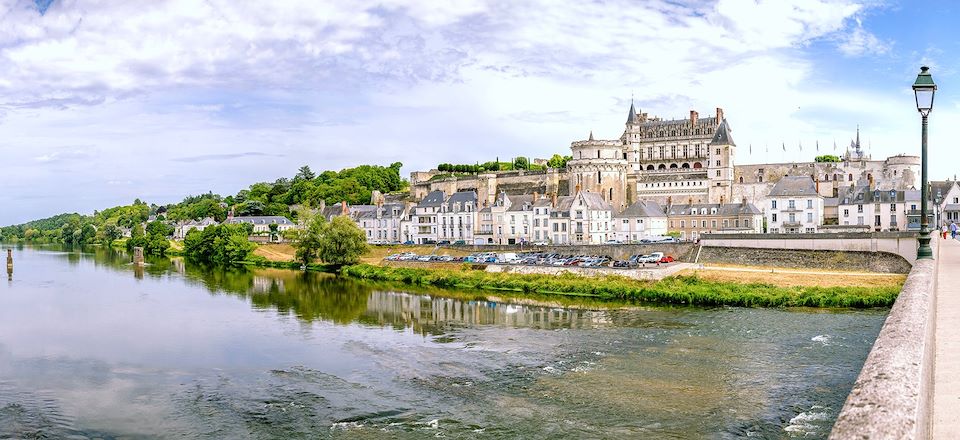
point(104, 102)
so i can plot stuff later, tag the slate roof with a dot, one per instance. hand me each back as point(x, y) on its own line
point(632, 116)
point(261, 220)
point(944, 186)
point(722, 135)
point(435, 198)
point(520, 203)
point(952, 207)
point(727, 209)
point(462, 197)
point(643, 209)
point(794, 186)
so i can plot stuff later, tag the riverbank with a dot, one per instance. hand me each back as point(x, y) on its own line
point(692, 290)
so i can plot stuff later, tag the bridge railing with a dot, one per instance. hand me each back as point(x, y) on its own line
point(892, 397)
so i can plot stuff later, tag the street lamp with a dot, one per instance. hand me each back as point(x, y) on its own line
point(923, 90)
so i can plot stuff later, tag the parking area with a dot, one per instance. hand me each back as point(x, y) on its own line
point(653, 259)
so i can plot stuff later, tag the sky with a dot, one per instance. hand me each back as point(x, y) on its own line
point(102, 102)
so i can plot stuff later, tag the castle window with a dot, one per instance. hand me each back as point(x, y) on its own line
point(718, 174)
point(826, 177)
point(598, 154)
point(598, 177)
point(760, 178)
point(649, 167)
point(850, 177)
point(718, 151)
point(697, 165)
point(685, 165)
point(611, 194)
point(662, 167)
point(836, 177)
point(741, 179)
point(673, 165)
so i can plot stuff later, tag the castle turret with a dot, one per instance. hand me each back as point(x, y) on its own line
point(721, 152)
point(599, 166)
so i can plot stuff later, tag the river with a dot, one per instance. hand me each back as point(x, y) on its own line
point(92, 347)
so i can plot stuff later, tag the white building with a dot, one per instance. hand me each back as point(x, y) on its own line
point(182, 228)
point(794, 206)
point(261, 223)
point(382, 223)
point(458, 218)
point(640, 220)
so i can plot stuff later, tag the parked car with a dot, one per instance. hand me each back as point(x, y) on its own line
point(409, 242)
point(666, 259)
point(613, 242)
point(459, 243)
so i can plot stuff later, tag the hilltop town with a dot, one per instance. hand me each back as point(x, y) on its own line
point(661, 177)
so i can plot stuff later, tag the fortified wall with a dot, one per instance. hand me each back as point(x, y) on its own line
point(488, 185)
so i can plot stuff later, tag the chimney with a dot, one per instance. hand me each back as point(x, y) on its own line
point(343, 208)
point(744, 201)
point(554, 202)
point(721, 200)
point(578, 189)
point(719, 115)
point(693, 117)
point(870, 182)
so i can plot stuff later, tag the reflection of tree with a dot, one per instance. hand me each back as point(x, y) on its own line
point(310, 296)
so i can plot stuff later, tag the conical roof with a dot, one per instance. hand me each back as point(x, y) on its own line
point(632, 116)
point(722, 136)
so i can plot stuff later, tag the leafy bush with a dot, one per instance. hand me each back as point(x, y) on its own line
point(222, 244)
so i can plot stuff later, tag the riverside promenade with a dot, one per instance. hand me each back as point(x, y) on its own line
point(946, 366)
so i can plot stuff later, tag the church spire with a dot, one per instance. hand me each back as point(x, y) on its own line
point(591, 135)
point(632, 116)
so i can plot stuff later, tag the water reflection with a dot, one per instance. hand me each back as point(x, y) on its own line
point(90, 347)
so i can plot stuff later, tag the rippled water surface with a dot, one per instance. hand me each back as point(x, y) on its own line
point(90, 347)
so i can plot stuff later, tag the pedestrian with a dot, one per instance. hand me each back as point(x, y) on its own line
point(953, 230)
point(943, 231)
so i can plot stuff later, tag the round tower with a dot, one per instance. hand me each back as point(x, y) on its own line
point(598, 166)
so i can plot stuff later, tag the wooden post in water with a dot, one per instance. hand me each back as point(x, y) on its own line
point(138, 256)
point(9, 264)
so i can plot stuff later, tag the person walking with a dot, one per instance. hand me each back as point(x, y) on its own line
point(943, 231)
point(953, 230)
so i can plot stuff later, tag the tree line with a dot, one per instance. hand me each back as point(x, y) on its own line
point(353, 185)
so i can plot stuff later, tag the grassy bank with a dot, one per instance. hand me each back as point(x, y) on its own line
point(673, 290)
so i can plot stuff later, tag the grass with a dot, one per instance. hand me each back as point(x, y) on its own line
point(787, 278)
point(693, 290)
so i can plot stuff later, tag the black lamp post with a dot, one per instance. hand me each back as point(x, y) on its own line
point(924, 89)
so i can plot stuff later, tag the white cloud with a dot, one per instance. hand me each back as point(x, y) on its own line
point(164, 90)
point(860, 42)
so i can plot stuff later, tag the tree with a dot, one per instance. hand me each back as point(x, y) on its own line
point(221, 244)
point(558, 161)
point(521, 163)
point(827, 158)
point(273, 231)
point(307, 240)
point(342, 242)
point(304, 173)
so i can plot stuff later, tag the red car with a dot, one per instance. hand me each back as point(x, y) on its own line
point(666, 259)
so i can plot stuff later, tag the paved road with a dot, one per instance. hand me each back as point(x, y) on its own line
point(946, 367)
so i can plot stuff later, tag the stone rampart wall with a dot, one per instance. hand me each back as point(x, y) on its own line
point(900, 243)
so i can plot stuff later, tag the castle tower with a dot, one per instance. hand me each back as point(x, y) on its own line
point(721, 152)
point(598, 166)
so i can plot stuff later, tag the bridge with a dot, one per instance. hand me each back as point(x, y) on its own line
point(909, 387)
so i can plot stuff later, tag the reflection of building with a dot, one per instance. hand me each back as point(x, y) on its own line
point(262, 284)
point(425, 313)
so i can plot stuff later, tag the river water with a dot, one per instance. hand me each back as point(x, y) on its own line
point(91, 347)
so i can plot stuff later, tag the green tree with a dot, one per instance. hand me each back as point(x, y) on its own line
point(827, 158)
point(307, 240)
point(304, 173)
point(558, 161)
point(221, 244)
point(521, 163)
point(342, 242)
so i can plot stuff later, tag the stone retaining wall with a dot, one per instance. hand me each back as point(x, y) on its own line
point(803, 259)
point(892, 396)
